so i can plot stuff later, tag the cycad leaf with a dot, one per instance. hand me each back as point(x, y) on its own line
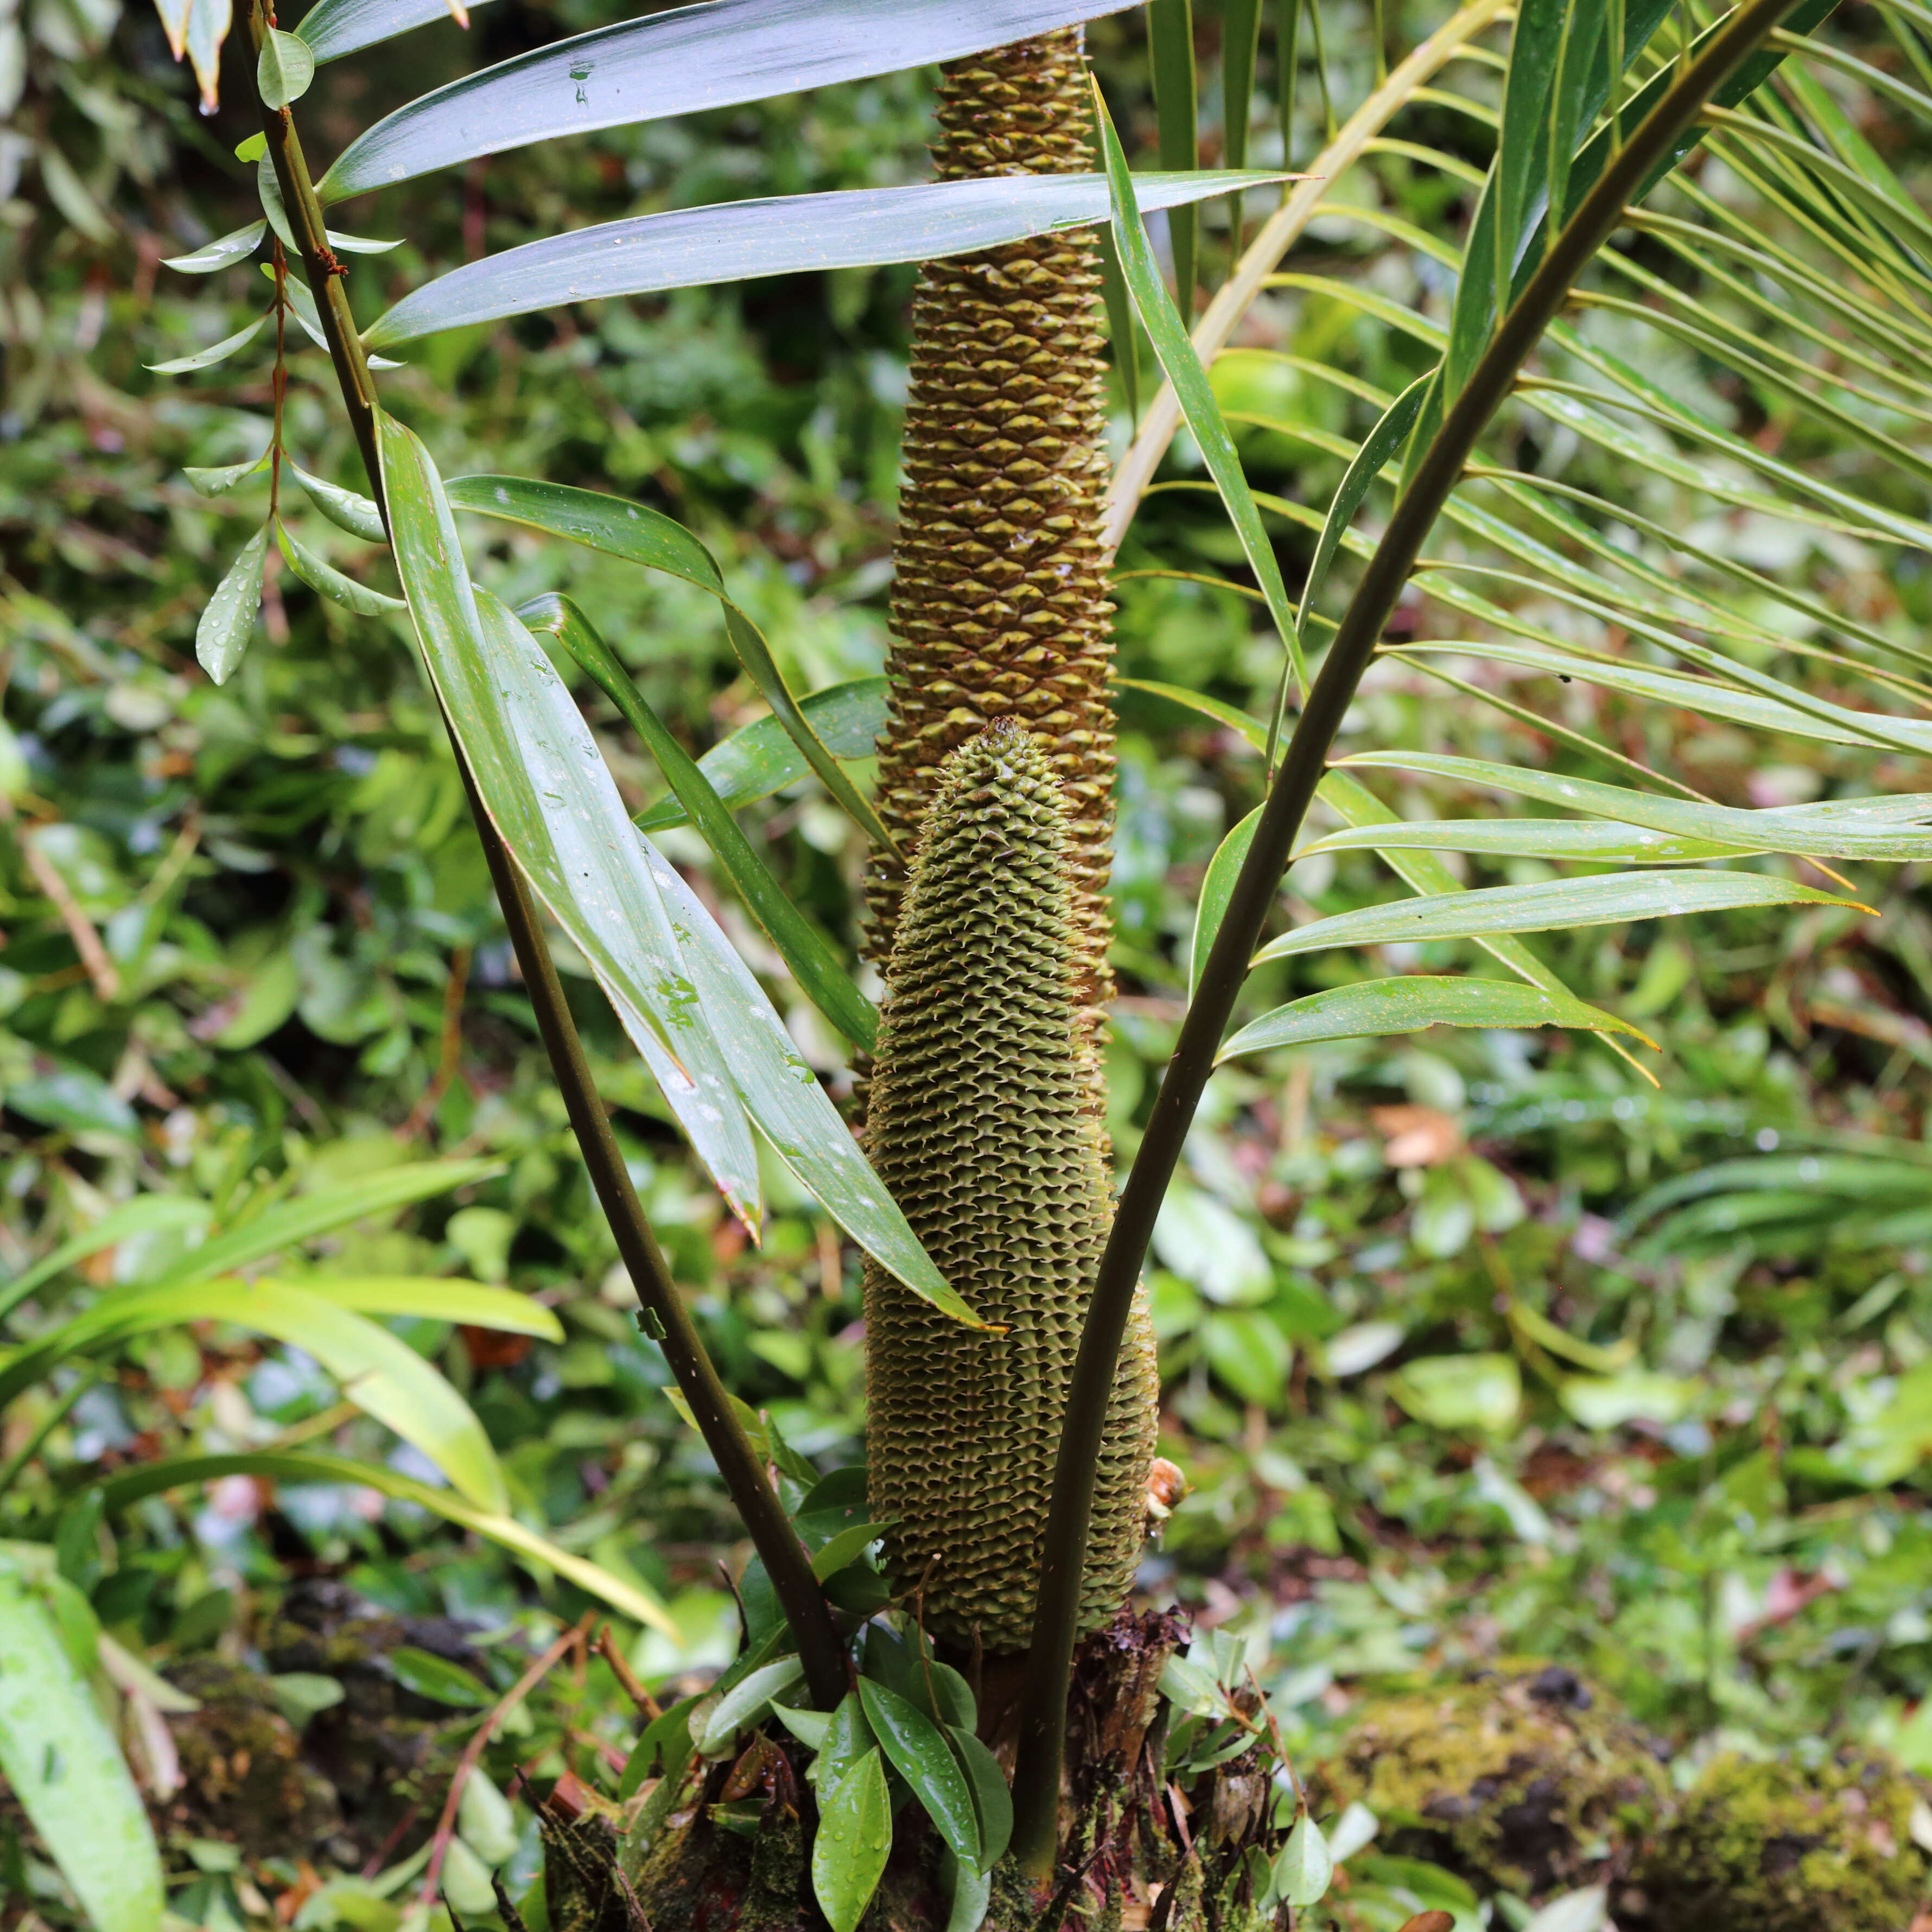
point(647, 537)
point(812, 961)
point(61, 1762)
point(545, 786)
point(863, 228)
point(629, 1598)
point(1808, 835)
point(1168, 334)
point(1379, 1006)
point(679, 62)
point(307, 1215)
point(146, 1214)
point(380, 1373)
point(437, 1298)
point(1613, 899)
point(754, 763)
point(790, 1107)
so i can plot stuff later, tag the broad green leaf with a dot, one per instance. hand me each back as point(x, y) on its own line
point(992, 1801)
point(307, 1215)
point(546, 788)
point(62, 1765)
point(292, 1466)
point(222, 253)
point(1171, 60)
point(809, 1727)
point(437, 1678)
point(379, 1371)
point(345, 508)
point(437, 1298)
point(146, 1214)
point(206, 358)
point(219, 482)
point(821, 977)
point(672, 63)
point(790, 1107)
point(1303, 1868)
point(921, 1756)
point(1215, 886)
point(644, 536)
point(1632, 1395)
point(742, 1706)
point(1611, 898)
point(847, 1546)
point(1458, 1392)
point(847, 1740)
point(228, 622)
point(853, 1840)
point(1379, 1006)
point(1806, 834)
point(284, 69)
point(327, 581)
point(1587, 841)
point(761, 759)
point(1168, 334)
point(971, 1889)
point(862, 228)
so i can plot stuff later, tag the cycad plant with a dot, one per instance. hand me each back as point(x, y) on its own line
point(1654, 174)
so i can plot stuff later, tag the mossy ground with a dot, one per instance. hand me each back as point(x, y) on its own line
point(1522, 1782)
point(1786, 1847)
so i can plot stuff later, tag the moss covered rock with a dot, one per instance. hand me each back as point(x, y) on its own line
point(1782, 1847)
point(1520, 1781)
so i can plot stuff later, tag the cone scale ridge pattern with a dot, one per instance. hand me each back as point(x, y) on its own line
point(999, 606)
point(980, 1124)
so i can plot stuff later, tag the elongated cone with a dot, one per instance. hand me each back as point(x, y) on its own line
point(999, 606)
point(981, 1124)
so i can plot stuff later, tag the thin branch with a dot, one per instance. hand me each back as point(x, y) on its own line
point(821, 1650)
point(1042, 1745)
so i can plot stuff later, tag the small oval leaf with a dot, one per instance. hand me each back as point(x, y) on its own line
point(922, 1756)
point(223, 634)
point(1303, 1867)
point(284, 69)
point(855, 1837)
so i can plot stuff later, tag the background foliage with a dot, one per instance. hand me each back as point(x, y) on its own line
point(1447, 1392)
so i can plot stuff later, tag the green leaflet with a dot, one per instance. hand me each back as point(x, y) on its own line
point(1215, 886)
point(206, 358)
point(1808, 834)
point(1611, 898)
point(1168, 334)
point(1381, 1006)
point(284, 69)
point(860, 228)
point(228, 620)
point(754, 763)
point(327, 581)
point(291, 1466)
point(643, 536)
point(691, 57)
point(382, 1374)
point(60, 1761)
point(546, 788)
point(812, 962)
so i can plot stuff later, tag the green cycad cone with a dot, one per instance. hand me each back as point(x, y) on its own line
point(981, 1123)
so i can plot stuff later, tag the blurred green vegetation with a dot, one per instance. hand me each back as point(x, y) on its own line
point(1442, 1398)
